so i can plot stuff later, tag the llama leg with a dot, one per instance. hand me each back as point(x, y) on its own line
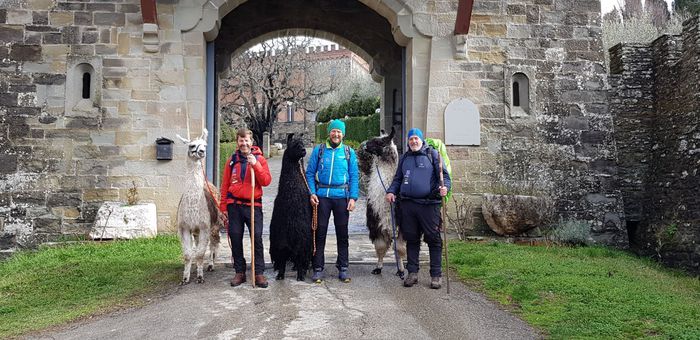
point(401, 248)
point(202, 243)
point(186, 241)
point(380, 247)
point(213, 248)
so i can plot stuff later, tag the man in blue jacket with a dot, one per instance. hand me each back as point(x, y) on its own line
point(333, 178)
point(417, 184)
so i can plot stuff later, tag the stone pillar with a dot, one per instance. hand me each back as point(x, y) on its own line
point(266, 144)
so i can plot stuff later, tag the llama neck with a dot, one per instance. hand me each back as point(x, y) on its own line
point(196, 173)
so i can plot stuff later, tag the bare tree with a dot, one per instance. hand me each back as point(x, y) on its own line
point(263, 80)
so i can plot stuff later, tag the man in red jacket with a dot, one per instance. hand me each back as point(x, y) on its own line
point(236, 191)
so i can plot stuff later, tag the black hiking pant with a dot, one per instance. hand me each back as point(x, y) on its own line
point(341, 215)
point(422, 219)
point(238, 218)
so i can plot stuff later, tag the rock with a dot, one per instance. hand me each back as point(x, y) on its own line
point(116, 220)
point(515, 214)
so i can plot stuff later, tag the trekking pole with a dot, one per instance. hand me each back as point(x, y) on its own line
point(252, 225)
point(444, 228)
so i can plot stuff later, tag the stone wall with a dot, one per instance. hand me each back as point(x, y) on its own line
point(562, 146)
point(653, 97)
point(62, 154)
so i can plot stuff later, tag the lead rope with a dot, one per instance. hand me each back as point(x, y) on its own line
point(393, 223)
point(204, 174)
point(314, 209)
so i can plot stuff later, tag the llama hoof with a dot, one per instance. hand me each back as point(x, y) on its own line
point(401, 274)
point(377, 271)
point(200, 279)
point(210, 268)
point(300, 277)
point(184, 282)
point(279, 276)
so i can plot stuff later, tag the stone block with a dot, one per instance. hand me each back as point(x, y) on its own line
point(60, 18)
point(90, 37)
point(18, 17)
point(8, 164)
point(109, 19)
point(130, 137)
point(82, 18)
point(100, 195)
point(70, 6)
point(71, 34)
point(118, 221)
point(101, 7)
point(63, 199)
point(51, 38)
point(40, 18)
point(25, 52)
point(49, 79)
point(84, 50)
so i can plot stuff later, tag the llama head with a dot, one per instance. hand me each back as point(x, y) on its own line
point(383, 146)
point(197, 148)
point(295, 147)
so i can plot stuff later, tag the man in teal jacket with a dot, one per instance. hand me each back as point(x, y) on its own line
point(333, 178)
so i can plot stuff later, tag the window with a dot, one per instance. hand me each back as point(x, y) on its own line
point(521, 93)
point(86, 85)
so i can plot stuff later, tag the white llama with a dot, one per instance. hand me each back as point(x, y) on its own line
point(198, 216)
point(378, 160)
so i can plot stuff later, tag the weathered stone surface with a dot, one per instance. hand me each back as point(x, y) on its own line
point(10, 34)
point(25, 52)
point(514, 214)
point(118, 221)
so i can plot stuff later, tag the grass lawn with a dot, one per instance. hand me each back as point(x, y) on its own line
point(584, 292)
point(59, 284)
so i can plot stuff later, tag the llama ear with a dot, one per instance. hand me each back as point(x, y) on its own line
point(391, 134)
point(289, 137)
point(205, 133)
point(186, 141)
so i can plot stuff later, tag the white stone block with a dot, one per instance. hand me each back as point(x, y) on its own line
point(116, 220)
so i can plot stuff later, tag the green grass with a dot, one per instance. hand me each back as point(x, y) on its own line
point(59, 284)
point(584, 292)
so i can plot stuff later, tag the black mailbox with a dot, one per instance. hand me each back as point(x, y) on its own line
point(164, 149)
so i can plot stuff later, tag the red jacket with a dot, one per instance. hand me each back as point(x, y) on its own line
point(235, 189)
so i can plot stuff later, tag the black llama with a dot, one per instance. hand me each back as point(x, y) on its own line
point(290, 227)
point(378, 160)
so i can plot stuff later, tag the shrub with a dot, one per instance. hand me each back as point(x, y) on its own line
point(572, 232)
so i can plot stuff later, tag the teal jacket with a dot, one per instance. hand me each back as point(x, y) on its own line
point(333, 176)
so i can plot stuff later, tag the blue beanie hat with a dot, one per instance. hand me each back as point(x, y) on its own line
point(336, 124)
point(415, 132)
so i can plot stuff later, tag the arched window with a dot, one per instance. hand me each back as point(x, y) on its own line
point(86, 85)
point(521, 92)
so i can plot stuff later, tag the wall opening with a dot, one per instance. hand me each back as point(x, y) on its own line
point(521, 92)
point(86, 85)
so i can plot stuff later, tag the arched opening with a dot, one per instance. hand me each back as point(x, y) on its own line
point(86, 85)
point(521, 94)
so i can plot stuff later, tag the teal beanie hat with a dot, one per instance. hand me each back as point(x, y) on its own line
point(336, 124)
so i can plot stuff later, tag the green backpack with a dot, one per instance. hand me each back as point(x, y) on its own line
point(442, 150)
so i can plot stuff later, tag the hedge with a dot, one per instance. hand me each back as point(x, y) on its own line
point(357, 129)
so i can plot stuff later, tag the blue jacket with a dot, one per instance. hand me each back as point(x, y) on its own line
point(417, 178)
point(330, 176)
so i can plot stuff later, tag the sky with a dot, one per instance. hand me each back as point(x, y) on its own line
point(607, 5)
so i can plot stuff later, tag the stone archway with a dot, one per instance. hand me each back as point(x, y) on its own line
point(403, 68)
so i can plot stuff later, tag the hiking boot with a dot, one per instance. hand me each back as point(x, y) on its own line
point(238, 279)
point(435, 282)
point(343, 275)
point(410, 280)
point(318, 276)
point(260, 281)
